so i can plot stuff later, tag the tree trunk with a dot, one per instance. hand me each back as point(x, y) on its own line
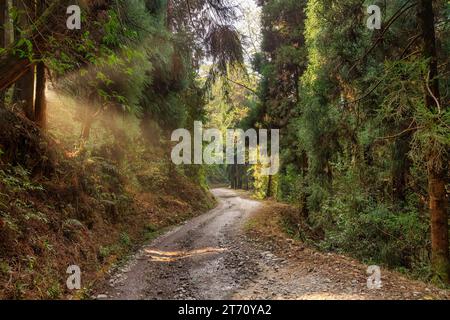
point(40, 103)
point(13, 67)
point(24, 87)
point(269, 188)
point(400, 168)
point(3, 18)
point(439, 225)
point(9, 32)
point(169, 15)
point(436, 174)
point(247, 181)
point(239, 176)
point(86, 130)
point(40, 106)
point(24, 93)
point(233, 173)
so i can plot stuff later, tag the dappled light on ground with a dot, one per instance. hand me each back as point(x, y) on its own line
point(329, 296)
point(169, 256)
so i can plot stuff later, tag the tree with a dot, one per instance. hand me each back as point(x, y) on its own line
point(17, 59)
point(281, 64)
point(3, 18)
point(24, 87)
point(365, 144)
point(40, 104)
point(437, 162)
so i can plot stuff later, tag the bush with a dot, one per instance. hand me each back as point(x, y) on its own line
point(374, 231)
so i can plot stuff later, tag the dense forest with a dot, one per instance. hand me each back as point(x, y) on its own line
point(87, 112)
point(365, 125)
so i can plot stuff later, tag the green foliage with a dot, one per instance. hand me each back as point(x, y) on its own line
point(104, 252)
point(263, 185)
point(356, 136)
point(14, 183)
point(125, 239)
point(17, 179)
point(372, 230)
point(5, 269)
point(131, 77)
point(24, 49)
point(291, 187)
point(54, 292)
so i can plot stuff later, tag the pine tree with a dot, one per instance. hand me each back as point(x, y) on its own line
point(3, 18)
point(437, 162)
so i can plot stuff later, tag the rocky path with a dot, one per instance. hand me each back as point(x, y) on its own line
point(210, 257)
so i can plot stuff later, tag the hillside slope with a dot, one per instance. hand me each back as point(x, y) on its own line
point(62, 205)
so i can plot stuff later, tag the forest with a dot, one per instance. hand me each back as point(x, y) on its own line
point(91, 92)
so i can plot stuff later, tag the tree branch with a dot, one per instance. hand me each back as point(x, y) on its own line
point(243, 86)
point(390, 22)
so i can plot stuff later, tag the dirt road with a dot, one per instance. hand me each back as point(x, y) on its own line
point(210, 257)
point(203, 259)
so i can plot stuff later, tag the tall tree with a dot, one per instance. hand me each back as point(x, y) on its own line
point(40, 106)
point(3, 18)
point(281, 64)
point(437, 162)
point(24, 87)
point(364, 126)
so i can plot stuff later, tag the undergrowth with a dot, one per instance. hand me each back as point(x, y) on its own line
point(89, 208)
